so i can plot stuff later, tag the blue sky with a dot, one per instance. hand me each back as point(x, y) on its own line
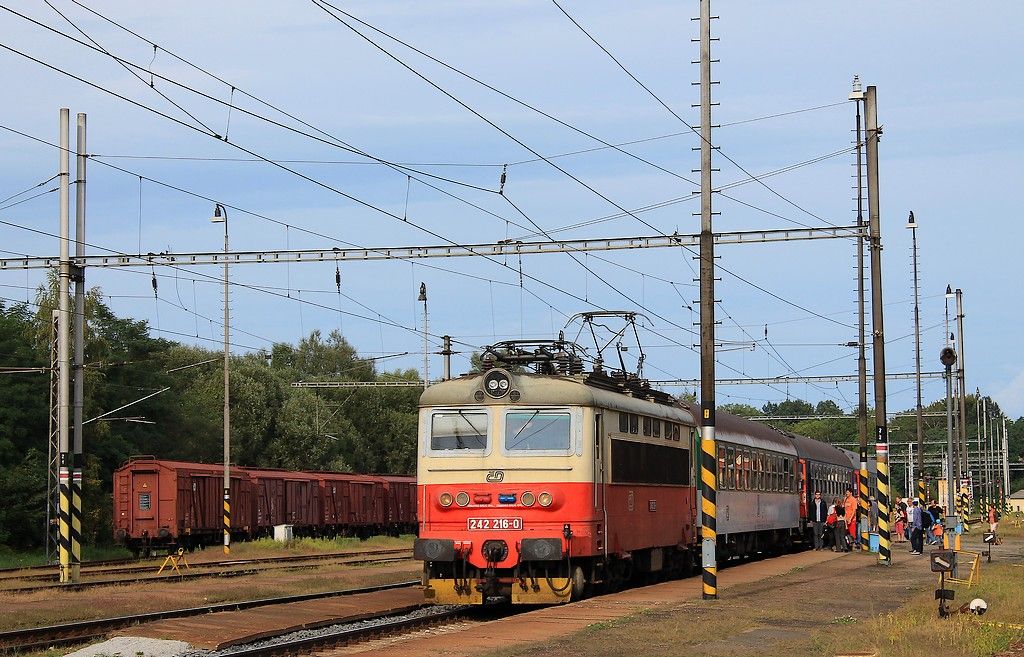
point(950, 101)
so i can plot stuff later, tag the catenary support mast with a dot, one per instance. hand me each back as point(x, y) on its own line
point(78, 275)
point(64, 355)
point(878, 333)
point(709, 513)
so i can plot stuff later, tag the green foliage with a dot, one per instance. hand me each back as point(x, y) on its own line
point(272, 423)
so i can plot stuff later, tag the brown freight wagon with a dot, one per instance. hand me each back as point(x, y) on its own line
point(165, 504)
point(399, 504)
point(170, 504)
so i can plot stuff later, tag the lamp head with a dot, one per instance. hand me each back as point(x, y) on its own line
point(423, 292)
point(911, 222)
point(949, 291)
point(856, 93)
point(220, 215)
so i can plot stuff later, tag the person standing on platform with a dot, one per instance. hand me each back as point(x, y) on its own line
point(915, 519)
point(840, 527)
point(850, 515)
point(993, 518)
point(819, 516)
point(900, 517)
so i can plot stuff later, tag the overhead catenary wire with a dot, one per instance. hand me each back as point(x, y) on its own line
point(323, 4)
point(264, 159)
point(681, 119)
point(299, 174)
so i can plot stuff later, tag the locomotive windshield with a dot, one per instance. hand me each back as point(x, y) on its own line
point(536, 431)
point(458, 430)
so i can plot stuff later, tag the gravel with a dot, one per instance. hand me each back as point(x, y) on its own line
point(307, 634)
point(133, 646)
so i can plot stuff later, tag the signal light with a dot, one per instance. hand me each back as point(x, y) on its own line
point(545, 499)
point(528, 498)
point(462, 499)
point(445, 499)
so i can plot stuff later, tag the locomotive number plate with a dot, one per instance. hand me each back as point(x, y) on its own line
point(478, 524)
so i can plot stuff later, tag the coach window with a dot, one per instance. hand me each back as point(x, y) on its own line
point(538, 430)
point(647, 426)
point(721, 466)
point(746, 469)
point(730, 467)
point(458, 431)
point(656, 428)
point(787, 476)
point(623, 422)
point(634, 423)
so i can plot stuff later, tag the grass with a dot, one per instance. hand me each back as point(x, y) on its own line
point(915, 630)
point(10, 558)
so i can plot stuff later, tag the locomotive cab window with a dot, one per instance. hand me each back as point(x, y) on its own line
point(538, 430)
point(457, 431)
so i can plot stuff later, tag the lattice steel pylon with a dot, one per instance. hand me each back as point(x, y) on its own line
point(53, 450)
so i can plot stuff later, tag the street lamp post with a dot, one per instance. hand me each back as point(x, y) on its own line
point(426, 362)
point(220, 215)
point(912, 225)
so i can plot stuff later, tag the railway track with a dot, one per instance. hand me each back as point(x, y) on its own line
point(349, 634)
point(212, 569)
point(136, 565)
point(37, 638)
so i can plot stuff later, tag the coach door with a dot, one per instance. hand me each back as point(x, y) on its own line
point(600, 485)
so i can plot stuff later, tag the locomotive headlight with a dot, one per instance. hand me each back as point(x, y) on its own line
point(445, 499)
point(462, 499)
point(497, 383)
point(528, 498)
point(544, 499)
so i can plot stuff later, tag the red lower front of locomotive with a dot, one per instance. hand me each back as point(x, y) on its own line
point(527, 542)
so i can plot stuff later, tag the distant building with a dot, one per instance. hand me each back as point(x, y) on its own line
point(1016, 501)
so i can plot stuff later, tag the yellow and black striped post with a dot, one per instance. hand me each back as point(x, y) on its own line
point(64, 520)
point(227, 521)
point(709, 507)
point(920, 492)
point(76, 522)
point(862, 510)
point(882, 462)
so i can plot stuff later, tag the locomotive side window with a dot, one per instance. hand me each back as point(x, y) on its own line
point(623, 422)
point(458, 430)
point(647, 426)
point(536, 430)
point(656, 428)
point(634, 423)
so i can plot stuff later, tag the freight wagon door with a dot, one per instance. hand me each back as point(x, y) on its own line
point(146, 490)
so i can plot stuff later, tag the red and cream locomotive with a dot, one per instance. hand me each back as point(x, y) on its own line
point(538, 486)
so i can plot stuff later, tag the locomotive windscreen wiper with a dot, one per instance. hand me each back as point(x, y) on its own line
point(458, 438)
point(521, 429)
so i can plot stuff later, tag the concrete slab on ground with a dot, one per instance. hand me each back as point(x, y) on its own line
point(132, 646)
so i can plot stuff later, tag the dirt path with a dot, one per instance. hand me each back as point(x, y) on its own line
point(774, 607)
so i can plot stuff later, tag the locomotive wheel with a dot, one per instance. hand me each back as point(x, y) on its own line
point(579, 584)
